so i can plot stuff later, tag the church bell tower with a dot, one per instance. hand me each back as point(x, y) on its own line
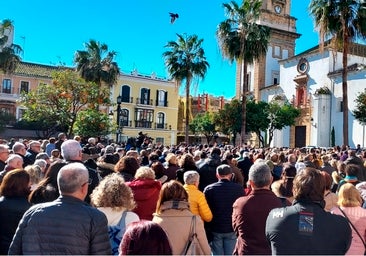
point(265, 72)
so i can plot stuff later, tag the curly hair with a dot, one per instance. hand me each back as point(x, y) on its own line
point(113, 192)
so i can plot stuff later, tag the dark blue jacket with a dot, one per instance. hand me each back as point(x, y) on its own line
point(306, 228)
point(220, 197)
point(64, 226)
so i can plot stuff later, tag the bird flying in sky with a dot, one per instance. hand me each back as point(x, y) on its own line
point(173, 16)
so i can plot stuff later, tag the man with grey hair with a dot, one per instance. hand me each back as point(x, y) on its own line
point(250, 212)
point(71, 152)
point(65, 226)
point(13, 162)
point(19, 149)
point(4, 154)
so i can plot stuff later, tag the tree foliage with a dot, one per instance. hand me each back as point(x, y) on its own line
point(228, 119)
point(98, 123)
point(185, 60)
point(262, 118)
point(96, 64)
point(5, 119)
point(241, 38)
point(345, 22)
point(203, 124)
point(9, 52)
point(60, 103)
point(360, 110)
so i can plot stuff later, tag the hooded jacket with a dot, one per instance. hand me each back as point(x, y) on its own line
point(146, 194)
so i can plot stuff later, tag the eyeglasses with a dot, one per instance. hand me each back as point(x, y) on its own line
point(88, 182)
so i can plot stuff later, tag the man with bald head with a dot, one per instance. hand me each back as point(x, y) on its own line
point(67, 225)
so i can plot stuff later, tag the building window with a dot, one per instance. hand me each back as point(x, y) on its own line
point(340, 105)
point(126, 90)
point(275, 77)
point(144, 118)
point(160, 121)
point(6, 86)
point(24, 86)
point(124, 118)
point(161, 98)
point(276, 52)
point(145, 96)
point(159, 140)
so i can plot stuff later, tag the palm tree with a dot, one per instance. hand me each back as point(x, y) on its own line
point(96, 64)
point(243, 40)
point(345, 21)
point(9, 52)
point(185, 60)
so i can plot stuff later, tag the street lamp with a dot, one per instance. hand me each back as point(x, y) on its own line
point(119, 101)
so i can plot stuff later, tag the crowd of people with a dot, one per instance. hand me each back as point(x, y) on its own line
point(70, 196)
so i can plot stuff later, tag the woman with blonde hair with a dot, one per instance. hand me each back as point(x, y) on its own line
point(174, 216)
point(146, 192)
point(349, 202)
point(115, 199)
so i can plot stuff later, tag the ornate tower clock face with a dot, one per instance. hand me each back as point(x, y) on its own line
point(278, 9)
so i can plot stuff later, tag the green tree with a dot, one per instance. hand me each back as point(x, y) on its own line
point(264, 118)
point(280, 116)
point(345, 21)
point(98, 123)
point(9, 52)
point(96, 64)
point(203, 124)
point(360, 109)
point(63, 100)
point(185, 60)
point(228, 120)
point(5, 119)
point(257, 119)
point(243, 40)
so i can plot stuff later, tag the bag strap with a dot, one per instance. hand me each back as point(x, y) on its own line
point(192, 232)
point(354, 228)
point(122, 221)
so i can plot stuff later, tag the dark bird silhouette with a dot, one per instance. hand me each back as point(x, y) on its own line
point(173, 17)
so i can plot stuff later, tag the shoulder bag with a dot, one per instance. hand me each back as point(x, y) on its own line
point(192, 246)
point(354, 228)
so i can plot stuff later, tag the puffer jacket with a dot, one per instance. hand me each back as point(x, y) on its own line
point(198, 203)
point(146, 194)
point(64, 226)
point(175, 218)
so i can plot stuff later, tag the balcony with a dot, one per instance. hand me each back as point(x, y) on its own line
point(161, 126)
point(143, 124)
point(143, 101)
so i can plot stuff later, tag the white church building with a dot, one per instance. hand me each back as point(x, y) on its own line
point(312, 81)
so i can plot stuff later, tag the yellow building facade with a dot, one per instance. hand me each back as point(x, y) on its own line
point(148, 104)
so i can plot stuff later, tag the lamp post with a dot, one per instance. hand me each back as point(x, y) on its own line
point(119, 101)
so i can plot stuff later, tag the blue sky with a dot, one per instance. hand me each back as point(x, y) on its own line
point(51, 31)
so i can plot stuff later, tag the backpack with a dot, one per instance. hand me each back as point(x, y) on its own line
point(116, 233)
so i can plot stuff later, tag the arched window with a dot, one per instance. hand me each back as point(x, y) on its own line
point(124, 118)
point(145, 96)
point(126, 93)
point(160, 122)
